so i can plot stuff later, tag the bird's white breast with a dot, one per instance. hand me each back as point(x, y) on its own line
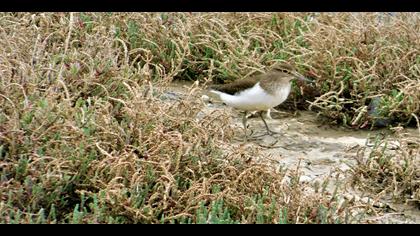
point(255, 98)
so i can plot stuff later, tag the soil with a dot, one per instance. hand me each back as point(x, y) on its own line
point(322, 151)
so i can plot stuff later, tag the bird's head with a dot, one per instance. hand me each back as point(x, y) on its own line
point(289, 70)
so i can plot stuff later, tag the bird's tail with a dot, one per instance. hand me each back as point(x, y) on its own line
point(215, 92)
point(214, 89)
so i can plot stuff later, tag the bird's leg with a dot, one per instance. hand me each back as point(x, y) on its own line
point(266, 126)
point(244, 118)
point(268, 114)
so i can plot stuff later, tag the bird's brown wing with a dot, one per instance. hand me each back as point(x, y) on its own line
point(238, 85)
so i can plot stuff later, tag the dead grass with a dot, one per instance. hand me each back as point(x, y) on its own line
point(360, 58)
point(85, 136)
point(391, 169)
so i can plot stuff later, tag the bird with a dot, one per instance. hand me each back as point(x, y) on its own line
point(259, 92)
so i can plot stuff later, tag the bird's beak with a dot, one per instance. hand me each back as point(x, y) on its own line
point(301, 77)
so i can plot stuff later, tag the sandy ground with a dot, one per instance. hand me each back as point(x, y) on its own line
point(321, 151)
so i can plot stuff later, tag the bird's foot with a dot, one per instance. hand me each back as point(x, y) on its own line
point(251, 137)
point(247, 137)
point(271, 133)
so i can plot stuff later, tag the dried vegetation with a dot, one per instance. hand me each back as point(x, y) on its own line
point(85, 136)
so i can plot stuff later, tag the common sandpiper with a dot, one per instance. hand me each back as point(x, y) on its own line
point(260, 92)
